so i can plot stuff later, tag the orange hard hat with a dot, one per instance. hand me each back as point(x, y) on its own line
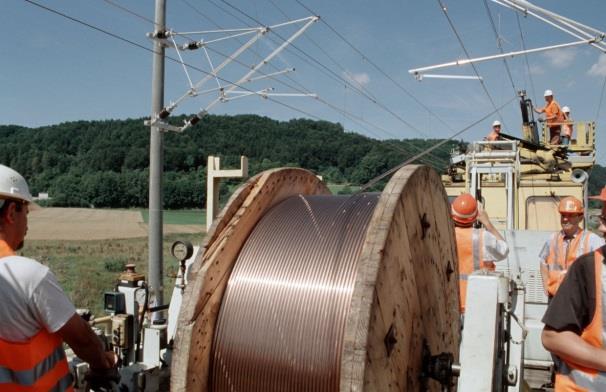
point(601, 196)
point(570, 205)
point(464, 209)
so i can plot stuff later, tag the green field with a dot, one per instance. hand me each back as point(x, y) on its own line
point(179, 217)
point(86, 269)
point(342, 188)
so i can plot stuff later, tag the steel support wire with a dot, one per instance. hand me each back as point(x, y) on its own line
point(363, 92)
point(594, 39)
point(500, 46)
point(376, 66)
point(302, 90)
point(341, 79)
point(133, 43)
point(283, 314)
point(526, 56)
point(287, 42)
point(360, 91)
point(475, 70)
point(389, 172)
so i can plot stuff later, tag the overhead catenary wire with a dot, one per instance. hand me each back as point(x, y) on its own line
point(378, 68)
point(325, 53)
point(440, 162)
point(325, 71)
point(378, 178)
point(113, 35)
point(523, 41)
point(475, 70)
point(500, 46)
point(365, 58)
point(361, 91)
point(145, 18)
point(332, 106)
point(559, 22)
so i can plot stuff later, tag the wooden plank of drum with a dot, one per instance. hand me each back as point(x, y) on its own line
point(202, 298)
point(407, 282)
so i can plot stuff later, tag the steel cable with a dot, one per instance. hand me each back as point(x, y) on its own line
point(283, 313)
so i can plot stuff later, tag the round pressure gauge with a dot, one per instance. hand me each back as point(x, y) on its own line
point(182, 250)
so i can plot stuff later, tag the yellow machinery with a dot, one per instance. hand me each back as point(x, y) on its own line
point(520, 181)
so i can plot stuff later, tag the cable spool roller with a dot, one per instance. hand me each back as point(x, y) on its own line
point(299, 290)
point(579, 176)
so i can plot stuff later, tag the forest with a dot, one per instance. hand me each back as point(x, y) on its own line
point(104, 164)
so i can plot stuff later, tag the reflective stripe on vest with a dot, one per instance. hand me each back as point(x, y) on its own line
point(476, 240)
point(559, 259)
point(571, 377)
point(39, 364)
point(470, 252)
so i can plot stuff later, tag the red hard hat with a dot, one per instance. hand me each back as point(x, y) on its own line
point(601, 196)
point(464, 209)
point(570, 205)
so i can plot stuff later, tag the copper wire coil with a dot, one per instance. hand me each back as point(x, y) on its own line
point(281, 322)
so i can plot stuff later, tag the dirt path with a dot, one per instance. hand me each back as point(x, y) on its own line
point(93, 224)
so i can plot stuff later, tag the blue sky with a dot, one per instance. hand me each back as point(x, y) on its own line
point(54, 70)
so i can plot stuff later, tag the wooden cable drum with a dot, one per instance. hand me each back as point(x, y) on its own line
point(299, 290)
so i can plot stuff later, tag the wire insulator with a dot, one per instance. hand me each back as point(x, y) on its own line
point(194, 120)
point(193, 46)
point(164, 113)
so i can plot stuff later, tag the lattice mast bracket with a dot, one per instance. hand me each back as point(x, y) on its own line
point(584, 34)
point(225, 91)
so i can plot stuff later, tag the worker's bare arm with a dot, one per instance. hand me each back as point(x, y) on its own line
point(569, 345)
point(485, 221)
point(80, 337)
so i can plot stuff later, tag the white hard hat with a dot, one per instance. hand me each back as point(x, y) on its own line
point(13, 185)
point(566, 109)
point(496, 122)
point(548, 93)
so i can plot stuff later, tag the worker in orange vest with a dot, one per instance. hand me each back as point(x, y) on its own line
point(564, 246)
point(36, 316)
point(477, 248)
point(567, 127)
point(553, 116)
point(574, 322)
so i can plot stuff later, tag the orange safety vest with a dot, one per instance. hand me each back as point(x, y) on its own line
point(575, 378)
point(470, 251)
point(559, 259)
point(38, 364)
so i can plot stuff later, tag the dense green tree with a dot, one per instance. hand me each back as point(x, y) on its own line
point(104, 163)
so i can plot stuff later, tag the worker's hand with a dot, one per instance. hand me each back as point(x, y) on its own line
point(111, 359)
point(103, 380)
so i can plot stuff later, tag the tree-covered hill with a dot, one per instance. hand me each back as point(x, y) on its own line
point(104, 163)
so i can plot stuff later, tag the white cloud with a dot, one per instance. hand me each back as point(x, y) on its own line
point(599, 68)
point(560, 58)
point(361, 79)
point(536, 69)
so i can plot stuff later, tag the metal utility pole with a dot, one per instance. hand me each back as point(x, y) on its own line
point(156, 163)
